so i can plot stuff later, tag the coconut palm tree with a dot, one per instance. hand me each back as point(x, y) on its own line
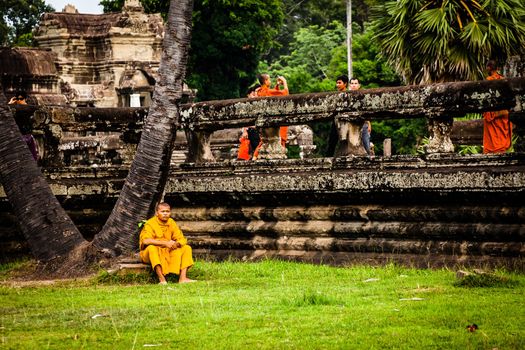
point(46, 226)
point(449, 40)
point(148, 175)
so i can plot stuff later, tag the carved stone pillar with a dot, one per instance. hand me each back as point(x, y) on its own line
point(350, 142)
point(199, 149)
point(271, 147)
point(439, 135)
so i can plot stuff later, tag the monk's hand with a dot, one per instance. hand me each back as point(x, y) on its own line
point(171, 245)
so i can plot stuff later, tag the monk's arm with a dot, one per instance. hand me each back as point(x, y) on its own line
point(160, 243)
point(178, 236)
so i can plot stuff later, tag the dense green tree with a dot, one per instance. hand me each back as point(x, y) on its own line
point(229, 37)
point(318, 56)
point(18, 18)
point(228, 40)
point(448, 40)
point(304, 13)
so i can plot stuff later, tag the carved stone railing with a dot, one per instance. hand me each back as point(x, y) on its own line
point(432, 210)
point(438, 103)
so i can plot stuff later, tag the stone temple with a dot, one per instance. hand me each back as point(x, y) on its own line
point(107, 60)
point(90, 82)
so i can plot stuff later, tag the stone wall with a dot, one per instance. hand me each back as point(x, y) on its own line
point(431, 210)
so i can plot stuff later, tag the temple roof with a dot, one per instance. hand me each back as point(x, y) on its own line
point(91, 25)
point(27, 61)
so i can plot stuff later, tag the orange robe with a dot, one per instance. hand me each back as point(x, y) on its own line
point(283, 130)
point(170, 261)
point(244, 146)
point(497, 129)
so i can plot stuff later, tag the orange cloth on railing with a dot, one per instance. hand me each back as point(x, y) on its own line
point(497, 129)
point(244, 146)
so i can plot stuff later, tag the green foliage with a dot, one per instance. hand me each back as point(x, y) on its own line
point(469, 149)
point(318, 56)
point(18, 18)
point(227, 42)
point(407, 135)
point(267, 305)
point(304, 13)
point(448, 40)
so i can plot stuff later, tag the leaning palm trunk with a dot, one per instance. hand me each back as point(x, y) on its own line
point(147, 177)
point(46, 226)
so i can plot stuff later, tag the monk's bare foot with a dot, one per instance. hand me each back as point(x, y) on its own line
point(163, 282)
point(187, 280)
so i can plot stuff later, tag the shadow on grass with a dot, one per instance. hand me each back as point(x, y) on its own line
point(486, 281)
point(312, 298)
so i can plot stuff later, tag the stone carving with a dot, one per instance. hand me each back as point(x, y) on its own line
point(271, 147)
point(302, 136)
point(199, 150)
point(69, 9)
point(94, 50)
point(439, 139)
point(350, 142)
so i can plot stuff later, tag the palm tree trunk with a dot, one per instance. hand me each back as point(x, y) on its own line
point(45, 225)
point(147, 177)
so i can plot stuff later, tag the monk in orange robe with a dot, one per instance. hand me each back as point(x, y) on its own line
point(265, 90)
point(245, 149)
point(497, 129)
point(163, 245)
point(244, 146)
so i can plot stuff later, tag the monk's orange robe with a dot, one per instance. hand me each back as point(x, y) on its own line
point(244, 146)
point(497, 129)
point(283, 130)
point(170, 261)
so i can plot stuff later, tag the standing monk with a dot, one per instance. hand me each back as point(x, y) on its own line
point(497, 129)
point(265, 90)
point(163, 245)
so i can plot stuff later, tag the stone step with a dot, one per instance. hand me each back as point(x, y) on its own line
point(131, 267)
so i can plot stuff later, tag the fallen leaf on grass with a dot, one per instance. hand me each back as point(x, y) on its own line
point(412, 299)
point(151, 345)
point(371, 280)
point(98, 315)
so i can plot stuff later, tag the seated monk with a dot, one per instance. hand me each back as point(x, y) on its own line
point(163, 245)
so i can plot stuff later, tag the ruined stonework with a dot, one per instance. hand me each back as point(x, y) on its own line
point(438, 209)
point(107, 60)
point(32, 71)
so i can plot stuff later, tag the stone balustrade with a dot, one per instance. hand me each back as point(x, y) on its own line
point(436, 209)
point(438, 103)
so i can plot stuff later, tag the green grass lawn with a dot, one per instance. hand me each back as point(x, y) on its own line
point(268, 305)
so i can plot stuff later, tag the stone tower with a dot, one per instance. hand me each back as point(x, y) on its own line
point(107, 60)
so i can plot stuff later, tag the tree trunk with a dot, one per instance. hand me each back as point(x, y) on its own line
point(46, 226)
point(149, 171)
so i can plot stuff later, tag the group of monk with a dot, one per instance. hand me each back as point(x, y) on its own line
point(497, 128)
point(250, 142)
